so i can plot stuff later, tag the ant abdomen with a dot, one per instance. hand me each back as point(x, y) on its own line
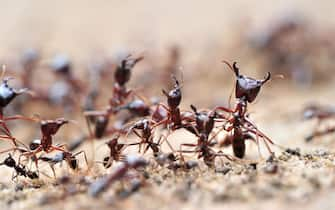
point(239, 147)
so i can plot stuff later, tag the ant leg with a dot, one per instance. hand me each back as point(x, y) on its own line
point(168, 143)
point(53, 170)
point(215, 135)
point(85, 157)
point(225, 109)
point(58, 148)
point(160, 122)
point(19, 117)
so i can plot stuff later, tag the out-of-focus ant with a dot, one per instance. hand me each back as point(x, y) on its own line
point(120, 96)
point(69, 157)
point(19, 168)
point(102, 184)
point(7, 95)
point(115, 152)
point(239, 125)
point(321, 113)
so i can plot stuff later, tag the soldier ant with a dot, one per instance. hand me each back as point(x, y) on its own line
point(19, 169)
point(48, 129)
point(7, 94)
point(241, 128)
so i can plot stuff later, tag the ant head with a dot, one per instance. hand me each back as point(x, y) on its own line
point(123, 70)
point(50, 127)
point(7, 93)
point(174, 96)
point(9, 161)
point(247, 87)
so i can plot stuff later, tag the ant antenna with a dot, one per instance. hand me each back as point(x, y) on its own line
point(234, 68)
point(266, 78)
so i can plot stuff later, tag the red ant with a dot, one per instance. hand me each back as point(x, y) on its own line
point(147, 135)
point(175, 117)
point(246, 91)
point(131, 162)
point(321, 113)
point(48, 129)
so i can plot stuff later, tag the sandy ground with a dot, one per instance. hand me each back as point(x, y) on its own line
point(85, 28)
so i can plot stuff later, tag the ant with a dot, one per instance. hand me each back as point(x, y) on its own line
point(120, 94)
point(147, 135)
point(239, 125)
point(69, 157)
point(115, 154)
point(175, 117)
point(19, 169)
point(321, 113)
point(131, 162)
point(7, 95)
point(48, 129)
point(204, 125)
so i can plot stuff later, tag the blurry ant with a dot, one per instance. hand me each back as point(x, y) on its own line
point(19, 169)
point(102, 184)
point(120, 94)
point(115, 154)
point(69, 157)
point(246, 91)
point(7, 94)
point(321, 113)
